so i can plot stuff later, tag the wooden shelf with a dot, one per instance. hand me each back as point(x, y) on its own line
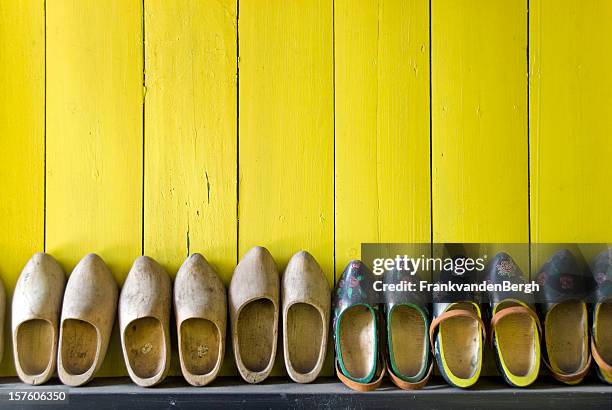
point(226, 393)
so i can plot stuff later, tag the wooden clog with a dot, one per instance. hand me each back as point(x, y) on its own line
point(88, 314)
point(356, 322)
point(565, 319)
point(459, 342)
point(457, 331)
point(515, 327)
point(306, 300)
point(144, 316)
point(601, 334)
point(407, 319)
point(254, 306)
point(200, 304)
point(36, 310)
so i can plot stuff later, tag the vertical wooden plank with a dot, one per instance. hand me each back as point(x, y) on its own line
point(286, 133)
point(571, 120)
point(382, 124)
point(94, 134)
point(22, 133)
point(190, 132)
point(479, 121)
point(286, 128)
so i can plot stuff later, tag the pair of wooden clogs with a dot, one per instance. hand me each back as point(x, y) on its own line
point(567, 352)
point(373, 338)
point(254, 312)
point(74, 325)
point(75, 334)
point(200, 308)
point(458, 331)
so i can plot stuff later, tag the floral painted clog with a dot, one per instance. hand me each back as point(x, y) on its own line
point(565, 318)
point(407, 320)
point(457, 331)
point(356, 322)
point(515, 327)
point(601, 334)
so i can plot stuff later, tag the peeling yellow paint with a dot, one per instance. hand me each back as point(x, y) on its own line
point(190, 132)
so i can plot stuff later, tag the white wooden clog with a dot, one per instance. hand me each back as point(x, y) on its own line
point(254, 308)
point(88, 314)
point(200, 305)
point(36, 309)
point(306, 299)
point(144, 322)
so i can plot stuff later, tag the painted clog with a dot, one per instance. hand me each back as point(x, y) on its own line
point(564, 315)
point(254, 310)
point(200, 306)
point(515, 327)
point(37, 301)
point(144, 315)
point(457, 332)
point(407, 320)
point(88, 314)
point(601, 333)
point(356, 321)
point(306, 301)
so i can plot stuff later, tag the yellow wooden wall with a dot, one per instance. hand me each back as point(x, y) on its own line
point(22, 143)
point(131, 126)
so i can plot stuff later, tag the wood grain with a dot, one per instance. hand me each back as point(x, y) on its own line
point(479, 121)
point(22, 132)
point(190, 133)
point(286, 129)
point(94, 136)
point(381, 124)
point(286, 134)
point(571, 120)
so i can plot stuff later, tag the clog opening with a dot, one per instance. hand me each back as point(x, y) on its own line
point(35, 341)
point(517, 341)
point(357, 335)
point(79, 346)
point(304, 336)
point(408, 343)
point(200, 345)
point(256, 324)
point(461, 345)
point(567, 337)
point(145, 347)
